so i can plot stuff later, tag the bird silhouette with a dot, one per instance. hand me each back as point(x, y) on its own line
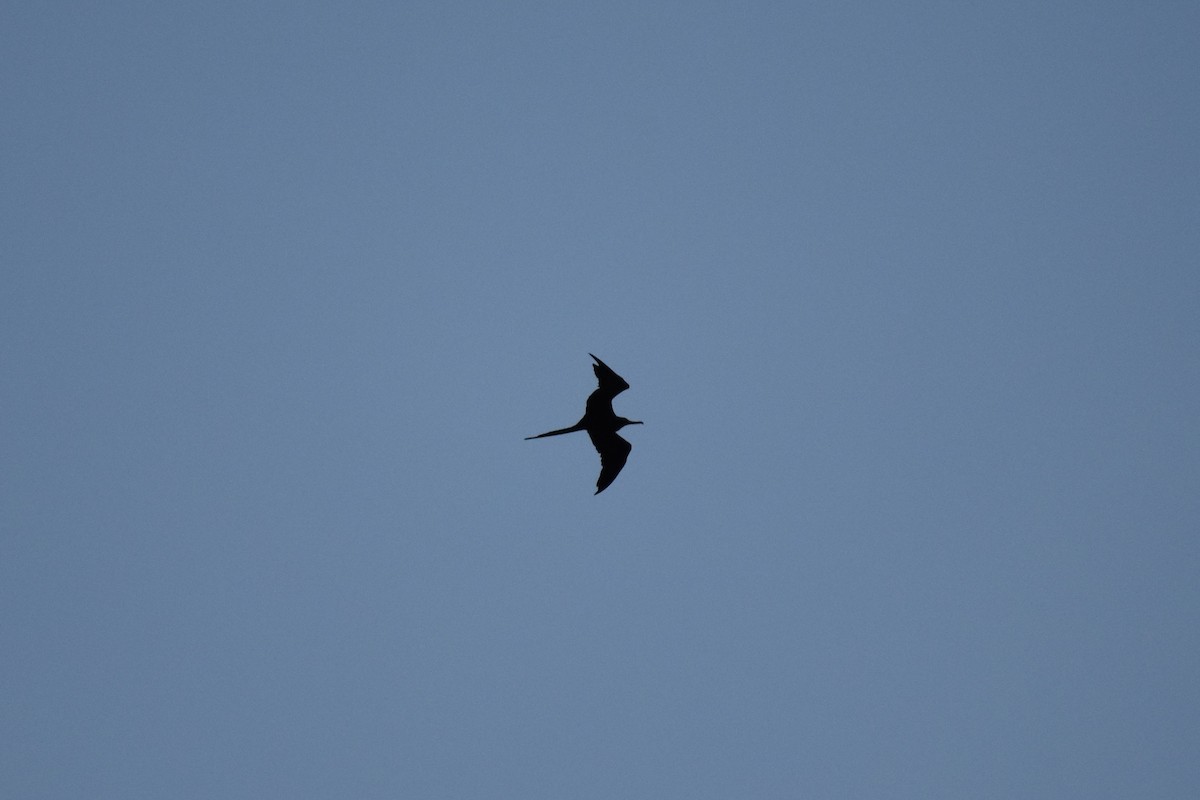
point(602, 425)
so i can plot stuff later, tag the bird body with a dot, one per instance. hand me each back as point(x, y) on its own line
point(602, 424)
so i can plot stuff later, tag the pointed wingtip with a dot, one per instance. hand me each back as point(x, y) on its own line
point(600, 364)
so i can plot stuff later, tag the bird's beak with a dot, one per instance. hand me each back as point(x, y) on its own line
point(636, 422)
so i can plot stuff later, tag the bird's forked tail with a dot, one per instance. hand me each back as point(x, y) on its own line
point(578, 426)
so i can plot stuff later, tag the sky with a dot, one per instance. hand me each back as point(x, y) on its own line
point(907, 296)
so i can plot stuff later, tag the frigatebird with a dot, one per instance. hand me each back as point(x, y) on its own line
point(602, 425)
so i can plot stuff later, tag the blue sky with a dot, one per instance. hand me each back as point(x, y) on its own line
point(908, 298)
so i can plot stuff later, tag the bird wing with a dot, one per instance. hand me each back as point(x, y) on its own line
point(611, 384)
point(614, 451)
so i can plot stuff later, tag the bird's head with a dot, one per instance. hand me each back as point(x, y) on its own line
point(622, 422)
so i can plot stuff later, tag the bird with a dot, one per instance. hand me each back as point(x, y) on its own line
point(602, 425)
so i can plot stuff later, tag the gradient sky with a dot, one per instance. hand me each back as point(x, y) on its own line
point(908, 295)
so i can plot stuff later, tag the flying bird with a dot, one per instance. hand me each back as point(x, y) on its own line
point(602, 425)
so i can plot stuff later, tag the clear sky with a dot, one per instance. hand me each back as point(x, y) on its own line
point(908, 295)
